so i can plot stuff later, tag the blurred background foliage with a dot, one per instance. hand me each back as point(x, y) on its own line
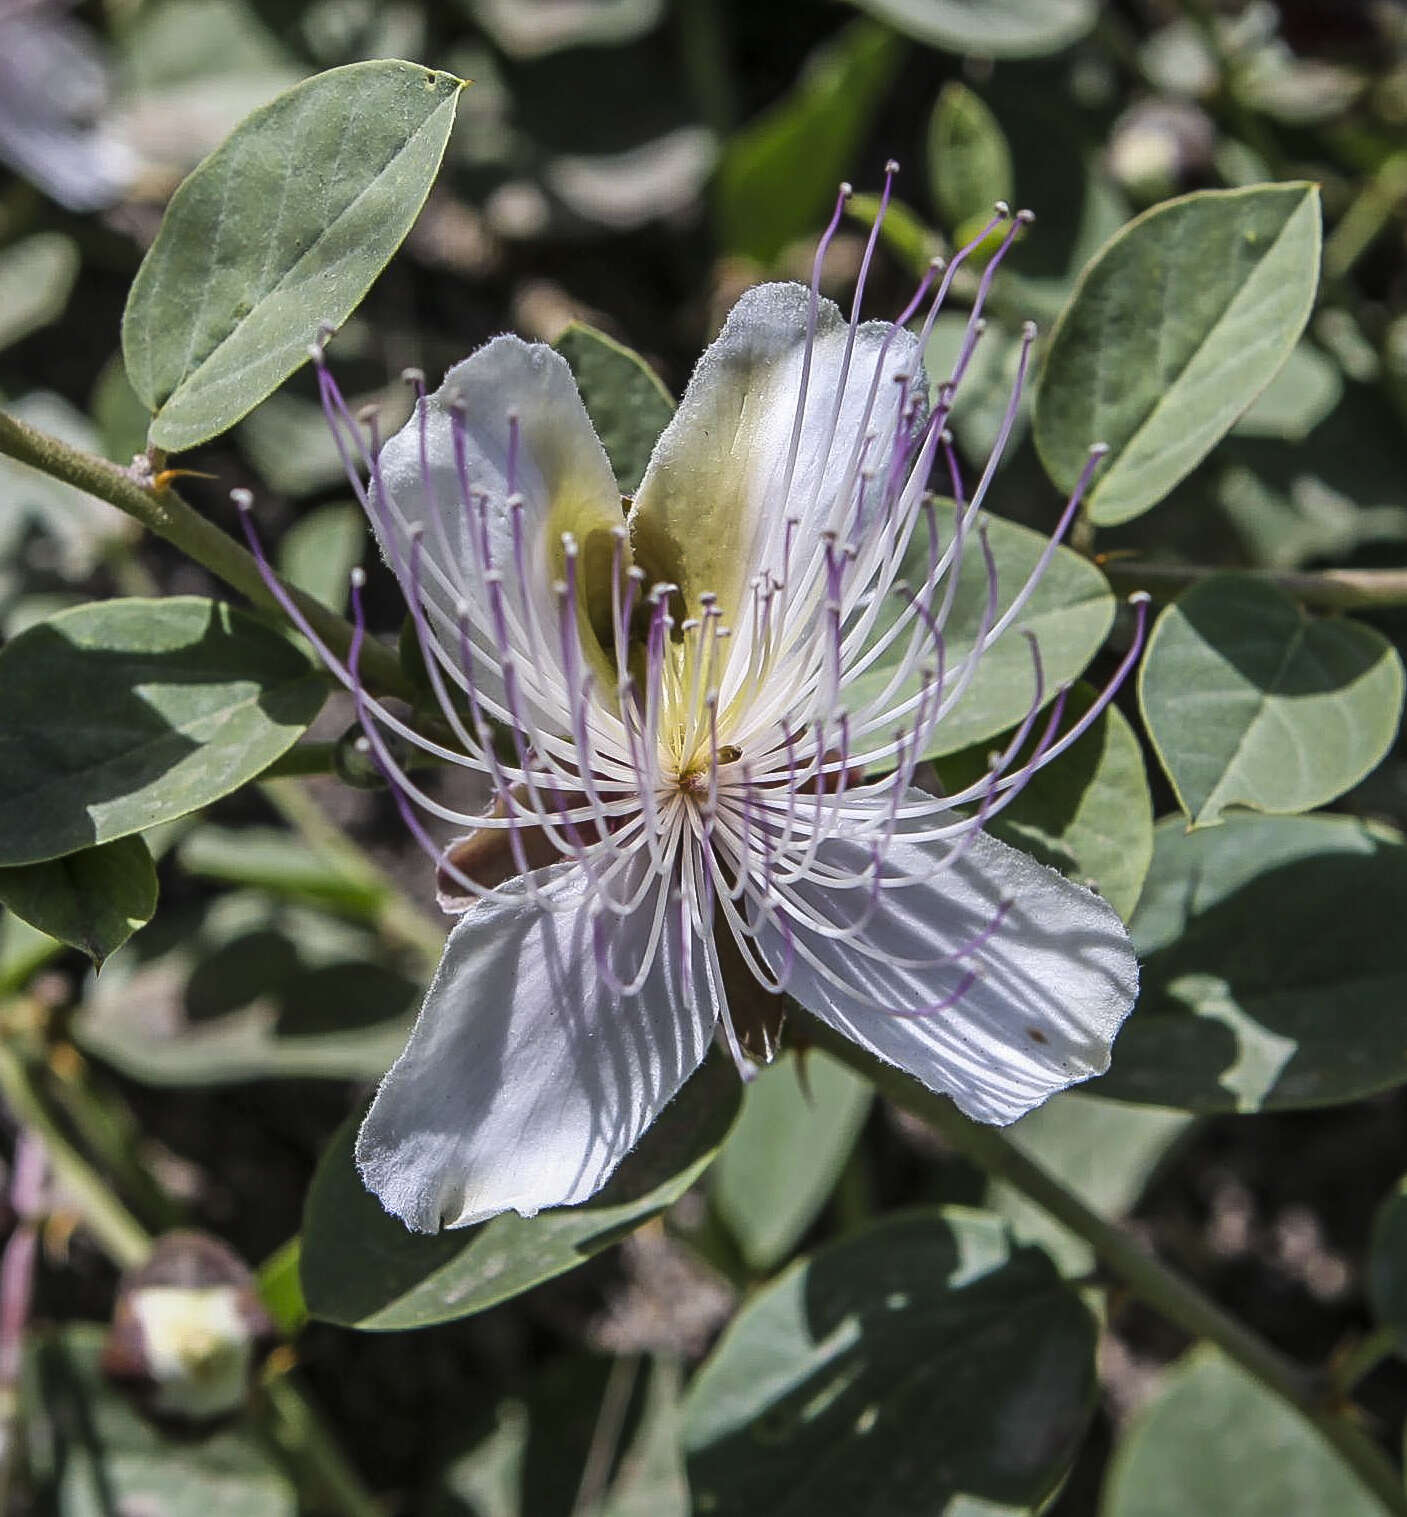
point(634, 165)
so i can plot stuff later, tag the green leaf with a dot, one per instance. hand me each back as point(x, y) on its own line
point(1300, 396)
point(1387, 1262)
point(93, 900)
point(1088, 814)
point(969, 162)
point(1250, 702)
point(37, 275)
point(122, 714)
point(280, 230)
point(320, 550)
point(780, 1165)
point(92, 1453)
point(280, 1289)
point(1177, 325)
point(23, 951)
point(1274, 967)
point(248, 989)
point(921, 1361)
point(624, 397)
point(1216, 1441)
point(778, 175)
point(1104, 1151)
point(362, 1268)
point(989, 28)
point(980, 405)
point(276, 861)
point(1069, 615)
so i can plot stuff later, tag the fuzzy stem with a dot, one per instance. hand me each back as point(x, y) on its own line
point(1144, 1275)
point(164, 512)
point(1327, 589)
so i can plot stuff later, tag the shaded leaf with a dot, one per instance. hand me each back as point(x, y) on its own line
point(1181, 320)
point(122, 714)
point(1250, 702)
point(93, 900)
point(363, 1268)
point(251, 989)
point(1216, 1440)
point(778, 175)
point(1069, 615)
point(781, 1163)
point(277, 861)
point(320, 550)
point(969, 163)
point(989, 28)
point(1273, 967)
point(627, 403)
point(280, 230)
point(924, 1360)
point(37, 275)
point(92, 1453)
point(1300, 396)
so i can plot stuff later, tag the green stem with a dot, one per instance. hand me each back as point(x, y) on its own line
point(116, 1230)
point(305, 1441)
point(1359, 226)
point(1329, 589)
point(1362, 1359)
point(1144, 1275)
point(164, 512)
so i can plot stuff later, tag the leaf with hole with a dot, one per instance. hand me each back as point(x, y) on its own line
point(1178, 324)
point(1250, 702)
point(122, 714)
point(921, 1362)
point(93, 900)
point(363, 1268)
point(280, 231)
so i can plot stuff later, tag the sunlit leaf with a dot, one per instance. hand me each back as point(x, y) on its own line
point(1250, 702)
point(281, 230)
point(1172, 331)
point(989, 28)
point(1088, 813)
point(1069, 615)
point(786, 1153)
point(1216, 1440)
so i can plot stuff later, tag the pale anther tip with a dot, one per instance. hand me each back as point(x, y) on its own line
point(315, 352)
point(415, 531)
point(937, 263)
point(358, 577)
point(362, 745)
point(243, 499)
point(892, 167)
point(846, 189)
point(946, 437)
point(413, 376)
point(1029, 330)
point(1140, 598)
point(1098, 449)
point(1026, 216)
point(1002, 209)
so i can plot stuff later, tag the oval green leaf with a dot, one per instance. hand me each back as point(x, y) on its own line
point(989, 28)
point(628, 404)
point(781, 1163)
point(362, 1268)
point(1249, 702)
point(122, 714)
point(93, 900)
point(280, 230)
point(1178, 324)
point(1217, 1441)
point(1069, 615)
point(780, 172)
point(923, 1360)
point(1089, 814)
point(969, 162)
point(1274, 967)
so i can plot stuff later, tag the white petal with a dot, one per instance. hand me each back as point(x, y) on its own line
point(1053, 986)
point(710, 510)
point(560, 470)
point(526, 1079)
